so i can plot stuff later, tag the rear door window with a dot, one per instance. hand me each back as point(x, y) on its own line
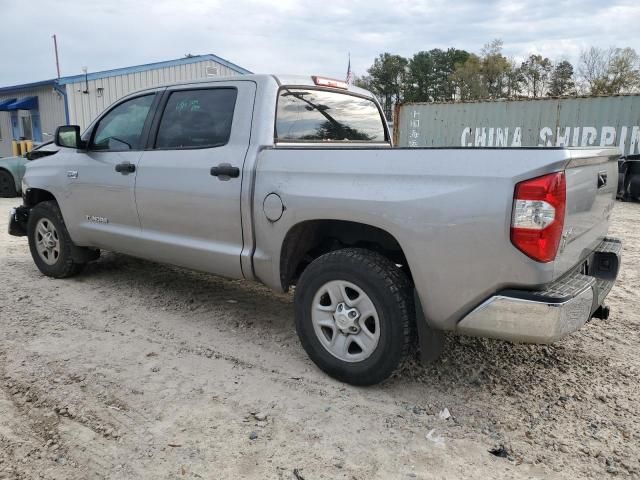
point(197, 119)
point(311, 115)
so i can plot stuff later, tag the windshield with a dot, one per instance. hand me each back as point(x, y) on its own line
point(309, 115)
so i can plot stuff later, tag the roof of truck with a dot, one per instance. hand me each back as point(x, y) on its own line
point(286, 80)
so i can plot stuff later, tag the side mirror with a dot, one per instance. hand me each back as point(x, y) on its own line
point(68, 136)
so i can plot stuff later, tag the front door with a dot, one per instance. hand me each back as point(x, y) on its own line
point(99, 204)
point(188, 183)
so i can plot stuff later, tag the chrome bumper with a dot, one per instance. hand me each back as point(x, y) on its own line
point(551, 314)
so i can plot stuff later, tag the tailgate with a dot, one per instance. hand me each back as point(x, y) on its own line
point(592, 182)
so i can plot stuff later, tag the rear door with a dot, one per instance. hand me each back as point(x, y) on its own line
point(188, 181)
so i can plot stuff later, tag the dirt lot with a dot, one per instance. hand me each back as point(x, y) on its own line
point(139, 370)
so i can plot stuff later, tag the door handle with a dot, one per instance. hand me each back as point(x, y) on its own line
point(125, 168)
point(225, 171)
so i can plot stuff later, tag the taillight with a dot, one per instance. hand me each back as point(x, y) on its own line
point(538, 216)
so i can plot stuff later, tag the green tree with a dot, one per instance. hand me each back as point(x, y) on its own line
point(420, 78)
point(468, 79)
point(387, 79)
point(485, 76)
point(536, 71)
point(429, 75)
point(561, 81)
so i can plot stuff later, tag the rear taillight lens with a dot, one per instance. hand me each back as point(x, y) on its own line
point(538, 216)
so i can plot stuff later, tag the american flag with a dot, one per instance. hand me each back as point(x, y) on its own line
point(349, 78)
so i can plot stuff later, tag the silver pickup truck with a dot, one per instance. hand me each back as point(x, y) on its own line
point(293, 181)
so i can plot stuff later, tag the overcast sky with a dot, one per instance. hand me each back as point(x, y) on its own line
point(289, 36)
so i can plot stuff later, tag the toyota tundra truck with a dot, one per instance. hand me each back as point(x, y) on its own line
point(293, 182)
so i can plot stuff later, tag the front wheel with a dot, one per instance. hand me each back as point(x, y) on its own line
point(355, 315)
point(50, 243)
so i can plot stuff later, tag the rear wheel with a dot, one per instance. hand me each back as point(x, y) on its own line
point(355, 315)
point(7, 185)
point(49, 242)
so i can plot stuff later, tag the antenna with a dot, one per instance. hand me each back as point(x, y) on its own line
point(55, 47)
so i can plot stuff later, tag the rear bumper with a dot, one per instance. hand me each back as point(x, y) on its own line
point(549, 315)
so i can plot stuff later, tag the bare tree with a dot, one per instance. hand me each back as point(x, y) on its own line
point(611, 71)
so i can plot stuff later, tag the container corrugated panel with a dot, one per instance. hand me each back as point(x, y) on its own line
point(576, 121)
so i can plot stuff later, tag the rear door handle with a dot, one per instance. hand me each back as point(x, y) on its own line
point(125, 168)
point(225, 171)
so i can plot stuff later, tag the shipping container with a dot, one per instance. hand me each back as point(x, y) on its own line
point(545, 122)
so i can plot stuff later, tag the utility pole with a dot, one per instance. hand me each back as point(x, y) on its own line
point(55, 47)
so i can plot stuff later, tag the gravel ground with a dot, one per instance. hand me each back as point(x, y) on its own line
point(140, 370)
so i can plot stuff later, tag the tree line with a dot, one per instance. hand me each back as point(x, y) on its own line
point(457, 75)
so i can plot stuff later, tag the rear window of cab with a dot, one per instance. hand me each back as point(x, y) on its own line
point(312, 115)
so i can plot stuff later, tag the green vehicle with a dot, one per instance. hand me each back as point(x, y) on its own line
point(12, 169)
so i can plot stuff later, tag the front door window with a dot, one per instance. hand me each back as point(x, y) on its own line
point(121, 128)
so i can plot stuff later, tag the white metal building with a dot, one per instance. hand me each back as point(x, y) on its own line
point(33, 111)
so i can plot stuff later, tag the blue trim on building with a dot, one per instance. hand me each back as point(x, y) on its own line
point(4, 104)
point(27, 103)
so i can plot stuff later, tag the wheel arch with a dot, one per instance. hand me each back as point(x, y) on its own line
point(309, 239)
point(33, 196)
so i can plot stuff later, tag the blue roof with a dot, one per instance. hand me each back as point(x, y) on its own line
point(126, 70)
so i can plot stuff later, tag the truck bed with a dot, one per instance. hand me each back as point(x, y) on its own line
point(449, 209)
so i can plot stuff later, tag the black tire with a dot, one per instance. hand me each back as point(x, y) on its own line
point(63, 264)
point(392, 296)
point(7, 185)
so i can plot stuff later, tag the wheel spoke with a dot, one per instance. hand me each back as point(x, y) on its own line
point(328, 322)
point(42, 231)
point(339, 344)
point(367, 309)
point(366, 341)
point(335, 292)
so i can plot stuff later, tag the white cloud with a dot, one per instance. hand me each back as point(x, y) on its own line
point(296, 36)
